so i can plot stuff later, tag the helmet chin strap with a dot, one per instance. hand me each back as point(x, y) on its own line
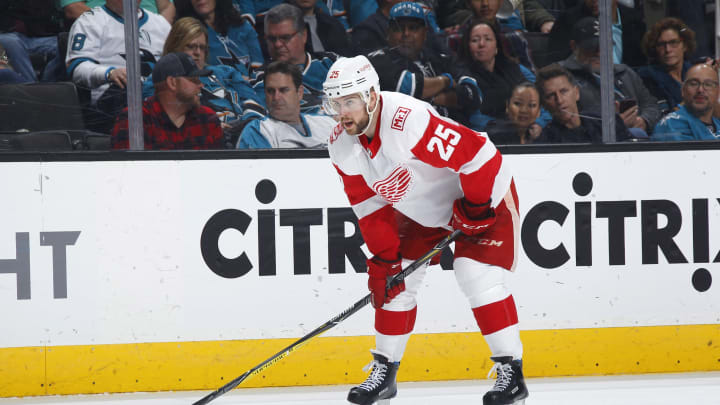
point(371, 114)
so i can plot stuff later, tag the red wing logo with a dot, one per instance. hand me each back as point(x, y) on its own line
point(394, 188)
point(336, 133)
point(398, 121)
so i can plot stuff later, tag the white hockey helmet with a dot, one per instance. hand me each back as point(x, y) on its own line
point(349, 76)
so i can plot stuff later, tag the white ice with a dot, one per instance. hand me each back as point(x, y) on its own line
point(652, 389)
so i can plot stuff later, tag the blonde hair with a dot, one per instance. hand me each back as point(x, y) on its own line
point(183, 31)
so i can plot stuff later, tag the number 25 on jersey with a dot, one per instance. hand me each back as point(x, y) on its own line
point(442, 135)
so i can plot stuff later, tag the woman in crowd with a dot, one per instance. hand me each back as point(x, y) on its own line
point(496, 74)
point(522, 110)
point(226, 90)
point(232, 39)
point(667, 46)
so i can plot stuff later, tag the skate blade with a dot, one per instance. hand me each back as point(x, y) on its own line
point(520, 402)
point(383, 402)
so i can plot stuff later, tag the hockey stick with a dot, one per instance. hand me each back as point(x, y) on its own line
point(329, 324)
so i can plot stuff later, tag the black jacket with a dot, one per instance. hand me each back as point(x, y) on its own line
point(628, 85)
point(332, 34)
point(633, 29)
point(589, 131)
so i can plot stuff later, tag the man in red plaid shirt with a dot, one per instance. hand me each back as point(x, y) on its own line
point(174, 118)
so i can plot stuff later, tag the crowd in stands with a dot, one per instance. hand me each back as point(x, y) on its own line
point(219, 74)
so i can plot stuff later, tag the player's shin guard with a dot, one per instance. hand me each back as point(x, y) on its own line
point(379, 385)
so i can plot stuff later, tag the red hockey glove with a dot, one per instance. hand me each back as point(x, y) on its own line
point(380, 272)
point(472, 219)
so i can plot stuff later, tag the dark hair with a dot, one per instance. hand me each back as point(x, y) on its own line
point(464, 50)
point(522, 85)
point(283, 12)
point(550, 72)
point(226, 15)
point(285, 68)
point(650, 39)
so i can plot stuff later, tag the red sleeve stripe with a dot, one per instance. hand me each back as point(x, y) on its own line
point(487, 152)
point(478, 186)
point(355, 187)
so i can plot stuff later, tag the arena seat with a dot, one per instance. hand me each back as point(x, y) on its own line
point(40, 107)
point(42, 141)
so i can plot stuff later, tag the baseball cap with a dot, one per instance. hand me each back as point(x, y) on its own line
point(176, 64)
point(407, 9)
point(586, 33)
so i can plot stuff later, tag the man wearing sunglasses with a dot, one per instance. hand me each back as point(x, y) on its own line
point(694, 119)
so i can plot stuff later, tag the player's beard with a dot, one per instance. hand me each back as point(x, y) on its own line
point(357, 126)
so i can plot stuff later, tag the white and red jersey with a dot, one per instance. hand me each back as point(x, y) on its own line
point(418, 163)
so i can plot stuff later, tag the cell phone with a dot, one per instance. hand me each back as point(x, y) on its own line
point(625, 104)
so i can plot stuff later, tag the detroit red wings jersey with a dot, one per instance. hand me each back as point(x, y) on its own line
point(418, 163)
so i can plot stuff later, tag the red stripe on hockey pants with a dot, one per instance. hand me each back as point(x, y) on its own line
point(395, 323)
point(496, 316)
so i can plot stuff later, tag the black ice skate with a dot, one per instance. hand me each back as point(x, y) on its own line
point(509, 386)
point(380, 384)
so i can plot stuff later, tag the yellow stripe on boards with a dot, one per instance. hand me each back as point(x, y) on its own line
point(339, 360)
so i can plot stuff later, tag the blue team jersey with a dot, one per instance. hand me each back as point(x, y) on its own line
point(240, 47)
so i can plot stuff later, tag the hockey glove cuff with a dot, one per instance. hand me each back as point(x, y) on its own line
point(472, 219)
point(380, 273)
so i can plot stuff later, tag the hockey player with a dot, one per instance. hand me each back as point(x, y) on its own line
point(411, 177)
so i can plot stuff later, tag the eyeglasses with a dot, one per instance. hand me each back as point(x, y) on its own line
point(284, 39)
point(694, 84)
point(195, 47)
point(673, 43)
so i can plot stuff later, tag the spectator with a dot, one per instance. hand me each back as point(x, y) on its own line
point(628, 28)
point(522, 110)
point(512, 29)
point(700, 15)
point(285, 36)
point(286, 127)
point(668, 45)
point(73, 9)
point(226, 91)
point(326, 32)
point(495, 73)
point(30, 27)
point(560, 95)
point(372, 34)
point(406, 66)
point(173, 118)
point(232, 38)
point(95, 57)
point(7, 74)
point(694, 119)
point(335, 8)
point(530, 15)
point(642, 112)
